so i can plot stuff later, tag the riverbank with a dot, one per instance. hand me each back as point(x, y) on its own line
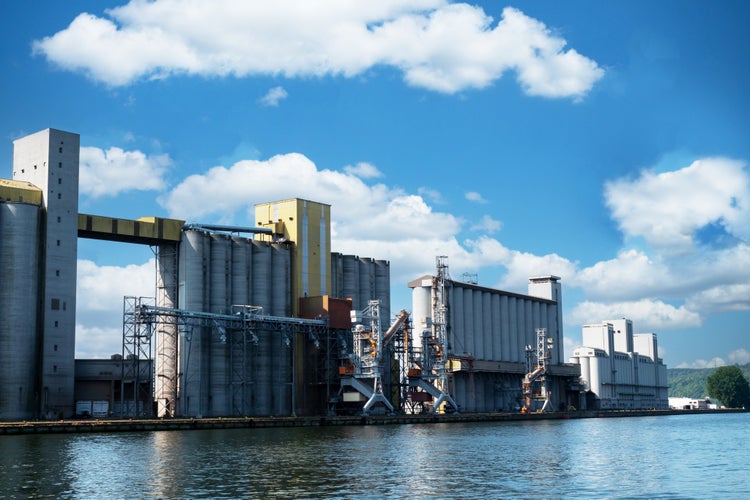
point(133, 425)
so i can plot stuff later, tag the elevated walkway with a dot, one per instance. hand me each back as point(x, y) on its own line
point(144, 231)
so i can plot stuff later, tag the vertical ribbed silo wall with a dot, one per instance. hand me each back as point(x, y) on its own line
point(468, 297)
point(282, 353)
point(219, 403)
point(497, 353)
point(421, 315)
point(479, 331)
point(192, 297)
point(241, 271)
point(19, 288)
point(350, 282)
point(167, 334)
point(382, 291)
point(366, 282)
point(515, 345)
point(505, 328)
point(261, 296)
point(455, 314)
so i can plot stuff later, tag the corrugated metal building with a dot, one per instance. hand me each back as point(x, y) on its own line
point(488, 334)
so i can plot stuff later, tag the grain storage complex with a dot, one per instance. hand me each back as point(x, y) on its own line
point(620, 369)
point(261, 320)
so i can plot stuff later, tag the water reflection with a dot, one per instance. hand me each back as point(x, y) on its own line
point(645, 457)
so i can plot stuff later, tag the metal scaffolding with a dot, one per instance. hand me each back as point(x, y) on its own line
point(535, 382)
point(428, 372)
point(136, 382)
point(238, 330)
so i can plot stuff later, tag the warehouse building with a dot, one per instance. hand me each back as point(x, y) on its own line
point(621, 370)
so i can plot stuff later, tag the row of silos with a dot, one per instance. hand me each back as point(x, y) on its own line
point(218, 271)
point(362, 279)
point(19, 290)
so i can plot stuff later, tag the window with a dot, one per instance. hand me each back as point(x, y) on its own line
point(59, 164)
point(59, 180)
point(58, 242)
point(58, 219)
point(55, 347)
point(54, 368)
point(55, 304)
point(59, 196)
point(60, 149)
point(57, 324)
point(57, 272)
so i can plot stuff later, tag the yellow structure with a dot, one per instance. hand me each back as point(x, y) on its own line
point(308, 225)
point(146, 230)
point(20, 192)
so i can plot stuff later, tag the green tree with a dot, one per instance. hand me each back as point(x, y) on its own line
point(728, 385)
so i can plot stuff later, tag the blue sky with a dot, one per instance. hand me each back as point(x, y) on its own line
point(604, 142)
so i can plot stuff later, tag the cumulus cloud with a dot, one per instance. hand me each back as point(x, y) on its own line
point(114, 171)
point(227, 193)
point(488, 225)
point(475, 197)
point(739, 357)
point(273, 97)
point(363, 170)
point(99, 304)
point(647, 314)
point(668, 209)
point(440, 46)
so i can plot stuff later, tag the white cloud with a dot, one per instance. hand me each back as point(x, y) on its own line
point(363, 170)
point(361, 210)
point(475, 197)
point(114, 171)
point(647, 314)
point(667, 209)
point(437, 45)
point(702, 363)
point(739, 357)
point(273, 97)
point(99, 304)
point(488, 225)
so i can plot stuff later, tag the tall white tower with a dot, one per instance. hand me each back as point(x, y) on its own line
point(49, 160)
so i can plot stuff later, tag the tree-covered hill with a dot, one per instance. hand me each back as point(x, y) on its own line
point(691, 382)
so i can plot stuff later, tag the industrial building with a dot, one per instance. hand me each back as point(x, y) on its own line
point(621, 370)
point(262, 320)
point(494, 343)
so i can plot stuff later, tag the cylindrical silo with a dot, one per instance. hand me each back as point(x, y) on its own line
point(281, 348)
point(218, 341)
point(366, 281)
point(19, 289)
point(281, 276)
point(261, 280)
point(261, 276)
point(486, 325)
point(382, 271)
point(351, 282)
point(241, 276)
point(421, 303)
point(193, 291)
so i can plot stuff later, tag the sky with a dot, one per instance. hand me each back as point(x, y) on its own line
point(603, 142)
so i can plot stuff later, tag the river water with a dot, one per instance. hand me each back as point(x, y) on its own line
point(682, 456)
